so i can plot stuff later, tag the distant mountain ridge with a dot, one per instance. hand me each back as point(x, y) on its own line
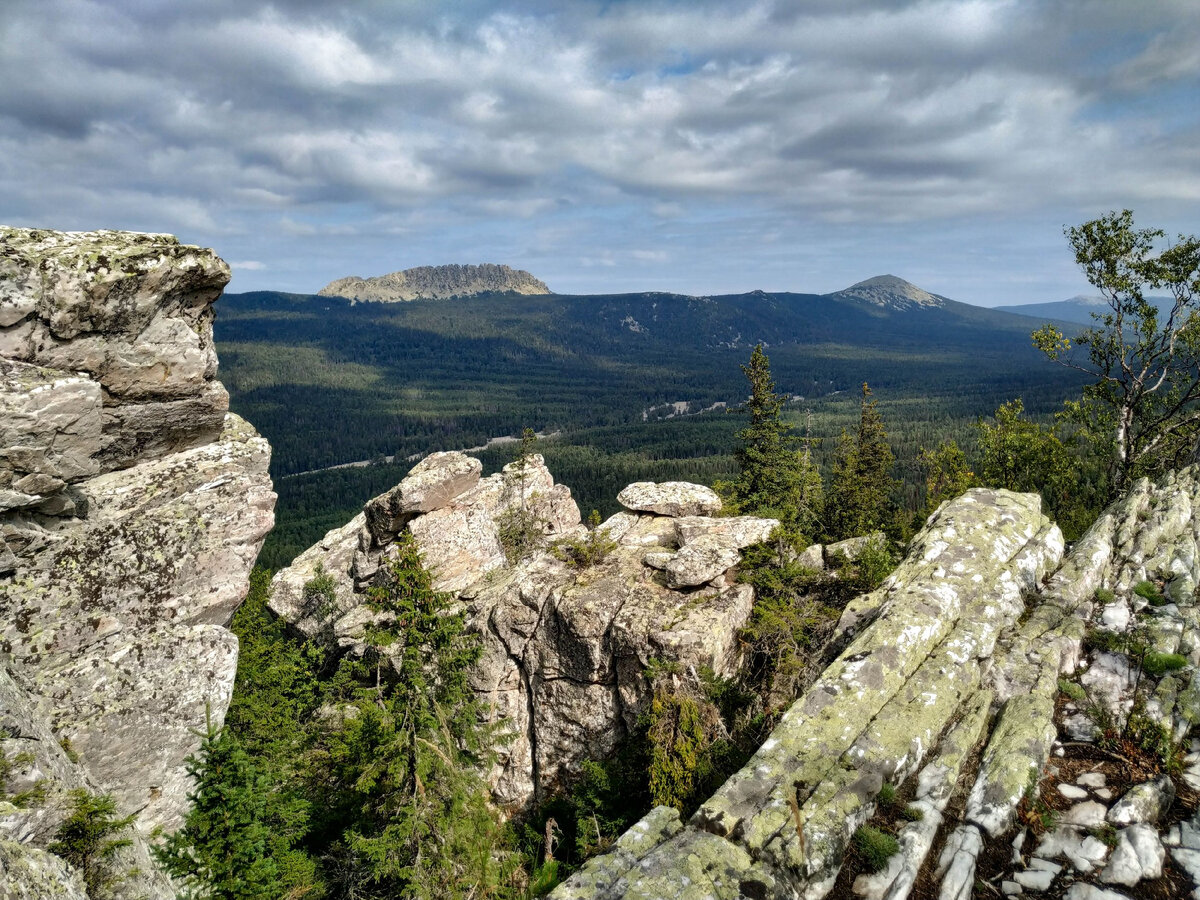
point(436, 283)
point(1076, 309)
point(891, 292)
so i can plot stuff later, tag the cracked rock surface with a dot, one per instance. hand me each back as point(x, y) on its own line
point(132, 508)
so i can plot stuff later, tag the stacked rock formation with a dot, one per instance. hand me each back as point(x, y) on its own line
point(132, 507)
point(907, 695)
point(564, 649)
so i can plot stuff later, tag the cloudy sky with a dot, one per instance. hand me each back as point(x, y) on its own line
point(609, 146)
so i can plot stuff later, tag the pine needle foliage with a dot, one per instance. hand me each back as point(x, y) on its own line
point(777, 477)
point(860, 493)
point(90, 837)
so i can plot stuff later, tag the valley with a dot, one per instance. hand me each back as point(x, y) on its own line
point(332, 382)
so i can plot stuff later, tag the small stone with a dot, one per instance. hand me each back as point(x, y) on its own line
point(1115, 616)
point(1087, 814)
point(1071, 792)
point(1010, 888)
point(1059, 751)
point(1078, 727)
point(1104, 793)
point(1189, 861)
point(1172, 837)
point(1139, 855)
point(1083, 891)
point(1092, 779)
point(1189, 835)
point(1072, 843)
point(1039, 876)
point(1145, 802)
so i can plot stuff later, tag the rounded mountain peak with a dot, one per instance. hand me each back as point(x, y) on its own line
point(892, 292)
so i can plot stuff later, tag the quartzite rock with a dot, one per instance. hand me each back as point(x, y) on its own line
point(670, 498)
point(140, 508)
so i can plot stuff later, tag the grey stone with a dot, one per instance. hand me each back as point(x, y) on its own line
point(1081, 890)
point(1073, 844)
point(670, 498)
point(850, 548)
point(1115, 616)
point(701, 560)
point(738, 532)
point(1071, 792)
point(1039, 876)
point(813, 557)
point(1146, 802)
point(432, 483)
point(1138, 855)
point(1088, 814)
point(27, 873)
point(1092, 779)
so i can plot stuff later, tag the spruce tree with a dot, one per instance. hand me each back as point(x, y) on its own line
point(227, 846)
point(416, 824)
point(775, 477)
point(860, 494)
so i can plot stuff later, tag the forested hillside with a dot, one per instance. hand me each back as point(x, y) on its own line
point(330, 382)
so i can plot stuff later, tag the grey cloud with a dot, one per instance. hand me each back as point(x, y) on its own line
point(219, 116)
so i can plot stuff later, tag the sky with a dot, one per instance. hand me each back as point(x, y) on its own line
point(694, 147)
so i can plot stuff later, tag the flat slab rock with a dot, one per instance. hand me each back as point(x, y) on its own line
point(670, 498)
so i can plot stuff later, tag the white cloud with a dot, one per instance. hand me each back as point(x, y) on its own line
point(331, 122)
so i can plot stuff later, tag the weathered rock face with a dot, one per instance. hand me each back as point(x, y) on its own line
point(132, 507)
point(960, 657)
point(907, 696)
point(564, 649)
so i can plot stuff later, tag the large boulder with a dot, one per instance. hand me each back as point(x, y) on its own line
point(670, 498)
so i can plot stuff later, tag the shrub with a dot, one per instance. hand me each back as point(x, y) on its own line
point(580, 553)
point(1106, 834)
point(1102, 639)
point(1072, 690)
point(1150, 592)
point(1160, 663)
point(912, 813)
point(887, 794)
point(88, 839)
point(520, 533)
point(875, 847)
point(1104, 596)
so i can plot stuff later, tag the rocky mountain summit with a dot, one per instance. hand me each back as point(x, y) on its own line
point(890, 292)
point(132, 507)
point(436, 283)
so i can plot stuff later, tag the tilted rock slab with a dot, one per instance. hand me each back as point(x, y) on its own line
point(132, 508)
point(780, 826)
point(564, 649)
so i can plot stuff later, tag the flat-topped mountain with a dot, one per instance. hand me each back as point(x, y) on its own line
point(890, 292)
point(436, 283)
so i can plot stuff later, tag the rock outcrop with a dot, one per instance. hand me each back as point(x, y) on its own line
point(565, 649)
point(973, 685)
point(436, 283)
point(132, 507)
point(907, 696)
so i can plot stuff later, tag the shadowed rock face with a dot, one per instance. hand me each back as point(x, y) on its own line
point(564, 648)
point(132, 507)
point(436, 283)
